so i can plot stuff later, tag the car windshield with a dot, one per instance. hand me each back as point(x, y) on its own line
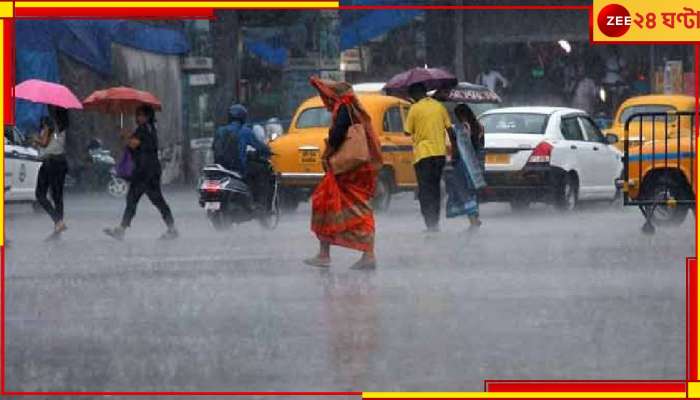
point(523, 123)
point(647, 108)
point(317, 117)
point(477, 108)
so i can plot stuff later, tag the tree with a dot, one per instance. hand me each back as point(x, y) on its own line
point(459, 42)
point(225, 30)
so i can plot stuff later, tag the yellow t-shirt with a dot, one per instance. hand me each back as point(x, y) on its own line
point(426, 122)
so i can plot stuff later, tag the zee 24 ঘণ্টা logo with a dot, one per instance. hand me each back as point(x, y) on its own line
point(656, 21)
point(614, 20)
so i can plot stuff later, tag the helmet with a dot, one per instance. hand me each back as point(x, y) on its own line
point(237, 112)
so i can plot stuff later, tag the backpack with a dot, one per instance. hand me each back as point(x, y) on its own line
point(226, 149)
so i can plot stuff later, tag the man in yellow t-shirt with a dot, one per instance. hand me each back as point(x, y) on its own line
point(427, 123)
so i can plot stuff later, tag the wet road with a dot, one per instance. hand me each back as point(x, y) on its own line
point(541, 296)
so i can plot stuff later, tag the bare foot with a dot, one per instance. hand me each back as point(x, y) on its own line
point(318, 261)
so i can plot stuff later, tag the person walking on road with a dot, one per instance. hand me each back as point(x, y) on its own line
point(427, 122)
point(145, 177)
point(491, 79)
point(341, 204)
point(52, 173)
point(466, 177)
point(585, 93)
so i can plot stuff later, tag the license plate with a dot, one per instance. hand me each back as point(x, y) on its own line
point(308, 156)
point(497, 158)
point(212, 206)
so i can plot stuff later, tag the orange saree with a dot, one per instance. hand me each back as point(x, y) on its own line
point(341, 204)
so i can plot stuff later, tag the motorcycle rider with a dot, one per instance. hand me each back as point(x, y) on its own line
point(231, 151)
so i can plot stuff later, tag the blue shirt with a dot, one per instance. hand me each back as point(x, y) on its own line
point(246, 138)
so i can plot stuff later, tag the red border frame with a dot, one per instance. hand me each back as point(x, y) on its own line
point(489, 385)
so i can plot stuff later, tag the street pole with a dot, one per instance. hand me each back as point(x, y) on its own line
point(459, 43)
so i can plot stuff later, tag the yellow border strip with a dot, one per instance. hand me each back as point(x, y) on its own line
point(184, 4)
point(522, 395)
point(693, 389)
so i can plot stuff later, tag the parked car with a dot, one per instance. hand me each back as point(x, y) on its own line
point(22, 167)
point(547, 154)
point(652, 126)
point(297, 154)
point(660, 176)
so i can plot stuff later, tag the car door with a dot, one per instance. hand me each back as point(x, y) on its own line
point(574, 153)
point(607, 163)
point(10, 167)
point(397, 147)
point(25, 165)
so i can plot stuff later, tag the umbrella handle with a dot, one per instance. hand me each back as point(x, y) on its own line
point(121, 120)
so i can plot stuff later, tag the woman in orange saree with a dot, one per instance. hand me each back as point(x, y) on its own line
point(341, 204)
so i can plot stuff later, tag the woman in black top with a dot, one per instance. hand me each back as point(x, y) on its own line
point(145, 178)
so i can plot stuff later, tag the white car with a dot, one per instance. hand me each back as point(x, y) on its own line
point(21, 167)
point(547, 154)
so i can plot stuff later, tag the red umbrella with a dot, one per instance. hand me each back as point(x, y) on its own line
point(43, 92)
point(120, 100)
point(432, 78)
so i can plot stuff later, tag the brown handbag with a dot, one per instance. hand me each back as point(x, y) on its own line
point(353, 152)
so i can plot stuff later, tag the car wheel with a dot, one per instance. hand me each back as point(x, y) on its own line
point(567, 194)
point(664, 189)
point(519, 205)
point(382, 193)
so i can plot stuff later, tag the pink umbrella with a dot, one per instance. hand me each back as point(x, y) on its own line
point(43, 92)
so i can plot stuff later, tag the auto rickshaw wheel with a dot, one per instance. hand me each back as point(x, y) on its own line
point(666, 189)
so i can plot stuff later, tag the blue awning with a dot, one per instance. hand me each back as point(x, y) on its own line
point(86, 41)
point(360, 26)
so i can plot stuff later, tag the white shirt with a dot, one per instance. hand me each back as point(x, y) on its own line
point(491, 78)
point(56, 146)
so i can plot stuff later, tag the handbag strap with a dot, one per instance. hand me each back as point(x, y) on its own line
point(349, 110)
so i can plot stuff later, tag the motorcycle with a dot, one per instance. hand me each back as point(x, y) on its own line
point(98, 173)
point(227, 199)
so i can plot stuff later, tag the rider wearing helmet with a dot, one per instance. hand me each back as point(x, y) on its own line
point(237, 148)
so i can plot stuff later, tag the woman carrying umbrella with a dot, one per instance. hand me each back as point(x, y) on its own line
point(145, 177)
point(466, 177)
point(341, 204)
point(52, 173)
point(51, 143)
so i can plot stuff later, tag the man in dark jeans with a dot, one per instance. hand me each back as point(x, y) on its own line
point(427, 123)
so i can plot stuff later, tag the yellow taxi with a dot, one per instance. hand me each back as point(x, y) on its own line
point(297, 154)
point(653, 126)
point(660, 175)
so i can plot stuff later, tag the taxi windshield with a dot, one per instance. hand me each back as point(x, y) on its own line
point(647, 108)
point(317, 117)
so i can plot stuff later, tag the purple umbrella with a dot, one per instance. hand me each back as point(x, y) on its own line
point(432, 78)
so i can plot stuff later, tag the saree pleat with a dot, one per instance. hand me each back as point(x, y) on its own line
point(342, 208)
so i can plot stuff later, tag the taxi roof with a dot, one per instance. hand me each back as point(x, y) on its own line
point(367, 100)
point(682, 101)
